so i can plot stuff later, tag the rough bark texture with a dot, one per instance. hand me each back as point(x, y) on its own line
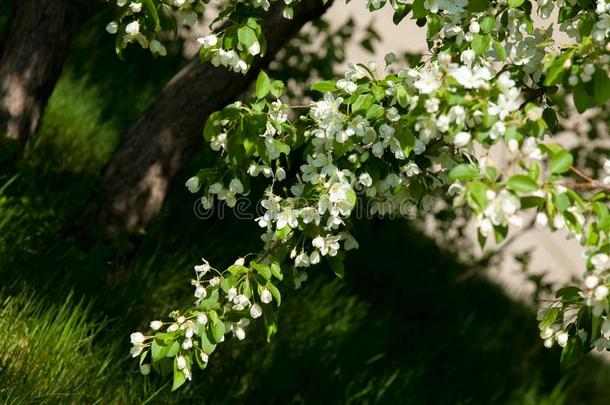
point(36, 48)
point(137, 177)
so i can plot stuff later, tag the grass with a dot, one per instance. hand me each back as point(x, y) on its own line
point(401, 328)
point(92, 95)
point(37, 339)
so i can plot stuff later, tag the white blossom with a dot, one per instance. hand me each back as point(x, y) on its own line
point(192, 184)
point(461, 139)
point(208, 41)
point(156, 325)
point(266, 296)
point(428, 81)
point(112, 27)
point(133, 28)
point(591, 282)
point(600, 261)
point(180, 362)
point(145, 369)
point(137, 338)
point(255, 311)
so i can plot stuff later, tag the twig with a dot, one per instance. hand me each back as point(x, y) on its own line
point(298, 106)
point(590, 183)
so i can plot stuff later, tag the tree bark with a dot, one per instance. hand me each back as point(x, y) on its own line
point(136, 179)
point(36, 49)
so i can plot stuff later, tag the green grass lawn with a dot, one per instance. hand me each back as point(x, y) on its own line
point(401, 328)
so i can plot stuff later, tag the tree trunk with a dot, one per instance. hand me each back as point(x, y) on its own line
point(136, 179)
point(36, 48)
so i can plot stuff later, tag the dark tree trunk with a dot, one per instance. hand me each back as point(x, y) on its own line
point(137, 177)
point(35, 51)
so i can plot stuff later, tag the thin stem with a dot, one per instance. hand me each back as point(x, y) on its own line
point(590, 183)
point(299, 106)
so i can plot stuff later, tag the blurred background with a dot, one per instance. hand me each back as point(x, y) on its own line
point(418, 319)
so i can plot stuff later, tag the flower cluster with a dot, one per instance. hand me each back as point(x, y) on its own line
point(232, 46)
point(224, 304)
point(402, 140)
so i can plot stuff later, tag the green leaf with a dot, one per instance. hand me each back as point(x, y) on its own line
point(157, 350)
point(179, 377)
point(263, 85)
point(274, 292)
point(206, 343)
point(270, 322)
point(531, 201)
point(478, 192)
point(603, 216)
point(602, 86)
point(596, 323)
point(262, 269)
point(549, 318)
point(491, 173)
point(500, 50)
point(217, 327)
point(276, 270)
point(375, 111)
point(246, 36)
point(571, 353)
point(362, 103)
point(482, 239)
point(487, 24)
point(406, 139)
point(283, 233)
point(378, 92)
point(152, 12)
point(337, 266)
point(463, 171)
point(515, 3)
point(277, 88)
point(237, 269)
point(583, 97)
point(401, 11)
point(534, 170)
point(562, 202)
point(550, 117)
point(210, 130)
point(576, 199)
point(419, 11)
point(522, 184)
point(402, 97)
point(165, 366)
point(211, 302)
point(351, 197)
point(173, 349)
point(500, 233)
point(478, 6)
point(557, 70)
point(561, 162)
point(569, 293)
point(480, 43)
point(324, 86)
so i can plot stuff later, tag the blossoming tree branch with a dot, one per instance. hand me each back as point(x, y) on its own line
point(490, 79)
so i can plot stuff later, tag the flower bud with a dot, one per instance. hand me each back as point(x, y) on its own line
point(145, 369)
point(256, 311)
point(137, 338)
point(156, 325)
point(474, 27)
point(266, 296)
point(180, 362)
